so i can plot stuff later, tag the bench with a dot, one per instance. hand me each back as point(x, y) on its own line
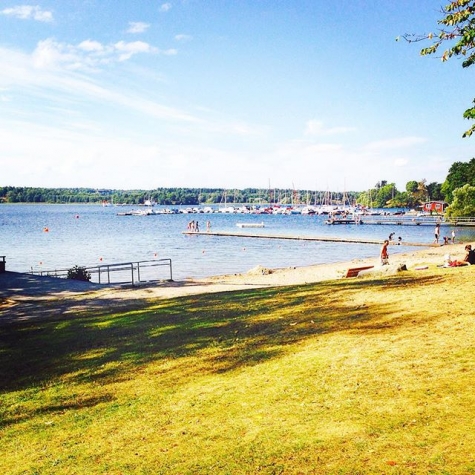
point(353, 272)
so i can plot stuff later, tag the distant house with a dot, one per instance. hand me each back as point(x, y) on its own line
point(437, 207)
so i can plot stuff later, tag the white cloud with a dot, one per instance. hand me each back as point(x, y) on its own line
point(402, 142)
point(89, 45)
point(41, 76)
point(137, 27)
point(49, 53)
point(128, 49)
point(400, 162)
point(27, 12)
point(183, 37)
point(316, 127)
point(165, 7)
point(89, 54)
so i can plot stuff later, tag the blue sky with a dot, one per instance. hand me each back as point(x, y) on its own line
point(309, 94)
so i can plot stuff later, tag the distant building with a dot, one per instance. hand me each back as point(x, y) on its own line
point(437, 207)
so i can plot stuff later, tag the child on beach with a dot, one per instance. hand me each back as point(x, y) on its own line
point(384, 253)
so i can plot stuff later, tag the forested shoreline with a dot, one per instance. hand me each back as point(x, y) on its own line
point(457, 190)
point(172, 196)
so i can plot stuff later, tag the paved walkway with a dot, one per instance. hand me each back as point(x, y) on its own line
point(16, 284)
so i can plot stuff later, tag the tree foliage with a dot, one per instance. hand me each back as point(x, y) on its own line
point(378, 197)
point(386, 195)
point(457, 36)
point(460, 174)
point(463, 203)
point(411, 186)
point(171, 196)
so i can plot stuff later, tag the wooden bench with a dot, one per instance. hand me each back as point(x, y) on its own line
point(353, 272)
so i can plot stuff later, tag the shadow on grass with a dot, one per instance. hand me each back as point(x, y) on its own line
point(232, 329)
point(76, 405)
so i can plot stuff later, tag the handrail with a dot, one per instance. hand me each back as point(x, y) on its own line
point(108, 269)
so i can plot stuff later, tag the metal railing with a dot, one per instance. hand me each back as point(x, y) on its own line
point(402, 220)
point(407, 219)
point(461, 221)
point(119, 273)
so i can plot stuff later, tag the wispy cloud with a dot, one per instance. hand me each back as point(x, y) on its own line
point(28, 12)
point(183, 37)
point(401, 162)
point(137, 27)
point(127, 50)
point(165, 7)
point(47, 75)
point(90, 45)
point(89, 54)
point(402, 142)
point(316, 127)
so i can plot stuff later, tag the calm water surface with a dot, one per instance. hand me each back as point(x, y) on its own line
point(89, 235)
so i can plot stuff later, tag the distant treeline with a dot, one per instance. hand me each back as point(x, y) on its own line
point(173, 196)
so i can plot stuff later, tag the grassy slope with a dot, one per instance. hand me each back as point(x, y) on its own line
point(347, 377)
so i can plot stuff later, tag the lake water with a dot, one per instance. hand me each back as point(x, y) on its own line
point(90, 235)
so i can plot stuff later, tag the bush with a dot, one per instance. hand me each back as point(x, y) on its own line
point(79, 273)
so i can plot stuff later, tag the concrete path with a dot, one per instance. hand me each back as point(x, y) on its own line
point(16, 284)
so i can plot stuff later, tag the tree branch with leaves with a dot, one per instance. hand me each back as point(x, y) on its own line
point(457, 35)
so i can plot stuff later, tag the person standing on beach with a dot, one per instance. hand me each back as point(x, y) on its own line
point(453, 236)
point(437, 233)
point(384, 253)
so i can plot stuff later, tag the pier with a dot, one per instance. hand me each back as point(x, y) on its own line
point(307, 238)
point(409, 220)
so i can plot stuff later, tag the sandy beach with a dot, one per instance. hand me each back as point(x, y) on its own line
point(419, 259)
point(72, 295)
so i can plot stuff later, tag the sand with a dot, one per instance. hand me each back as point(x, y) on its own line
point(260, 277)
point(46, 297)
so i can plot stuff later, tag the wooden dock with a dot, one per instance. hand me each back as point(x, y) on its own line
point(409, 220)
point(307, 238)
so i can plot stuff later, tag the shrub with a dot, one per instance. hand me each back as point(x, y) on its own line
point(79, 273)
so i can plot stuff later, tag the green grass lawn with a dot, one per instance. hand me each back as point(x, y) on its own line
point(343, 377)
